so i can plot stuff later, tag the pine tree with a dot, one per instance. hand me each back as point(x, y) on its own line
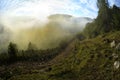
point(108, 19)
point(12, 50)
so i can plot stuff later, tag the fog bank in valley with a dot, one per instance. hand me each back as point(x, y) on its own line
point(57, 28)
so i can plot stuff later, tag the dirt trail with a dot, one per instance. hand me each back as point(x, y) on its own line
point(63, 54)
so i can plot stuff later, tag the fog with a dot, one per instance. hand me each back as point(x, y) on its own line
point(57, 28)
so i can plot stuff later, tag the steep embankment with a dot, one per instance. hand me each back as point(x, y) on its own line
point(87, 60)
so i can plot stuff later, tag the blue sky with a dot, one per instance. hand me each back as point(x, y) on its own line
point(29, 10)
point(72, 7)
point(84, 8)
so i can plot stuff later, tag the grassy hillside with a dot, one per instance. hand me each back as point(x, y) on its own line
point(82, 60)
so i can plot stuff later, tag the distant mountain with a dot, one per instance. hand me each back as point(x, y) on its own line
point(75, 23)
point(54, 16)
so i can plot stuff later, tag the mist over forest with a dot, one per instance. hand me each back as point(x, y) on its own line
point(58, 28)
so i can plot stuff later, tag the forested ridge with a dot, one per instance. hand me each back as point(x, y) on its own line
point(108, 19)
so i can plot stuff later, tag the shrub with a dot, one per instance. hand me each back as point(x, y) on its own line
point(12, 50)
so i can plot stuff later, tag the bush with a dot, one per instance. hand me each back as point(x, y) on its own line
point(12, 50)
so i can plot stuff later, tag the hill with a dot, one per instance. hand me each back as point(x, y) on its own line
point(90, 59)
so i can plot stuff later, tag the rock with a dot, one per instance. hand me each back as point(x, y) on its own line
point(11, 72)
point(115, 56)
point(116, 64)
point(118, 47)
point(112, 44)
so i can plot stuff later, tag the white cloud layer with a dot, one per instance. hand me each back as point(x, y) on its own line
point(25, 12)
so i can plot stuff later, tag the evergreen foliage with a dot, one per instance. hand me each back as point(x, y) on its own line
point(108, 19)
point(12, 50)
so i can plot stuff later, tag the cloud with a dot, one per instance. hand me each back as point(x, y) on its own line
point(15, 12)
point(112, 2)
point(4, 37)
point(60, 27)
point(89, 8)
point(20, 16)
point(21, 13)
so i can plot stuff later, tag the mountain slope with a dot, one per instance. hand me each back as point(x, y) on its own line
point(88, 60)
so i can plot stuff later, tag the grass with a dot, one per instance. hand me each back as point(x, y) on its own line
point(86, 60)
